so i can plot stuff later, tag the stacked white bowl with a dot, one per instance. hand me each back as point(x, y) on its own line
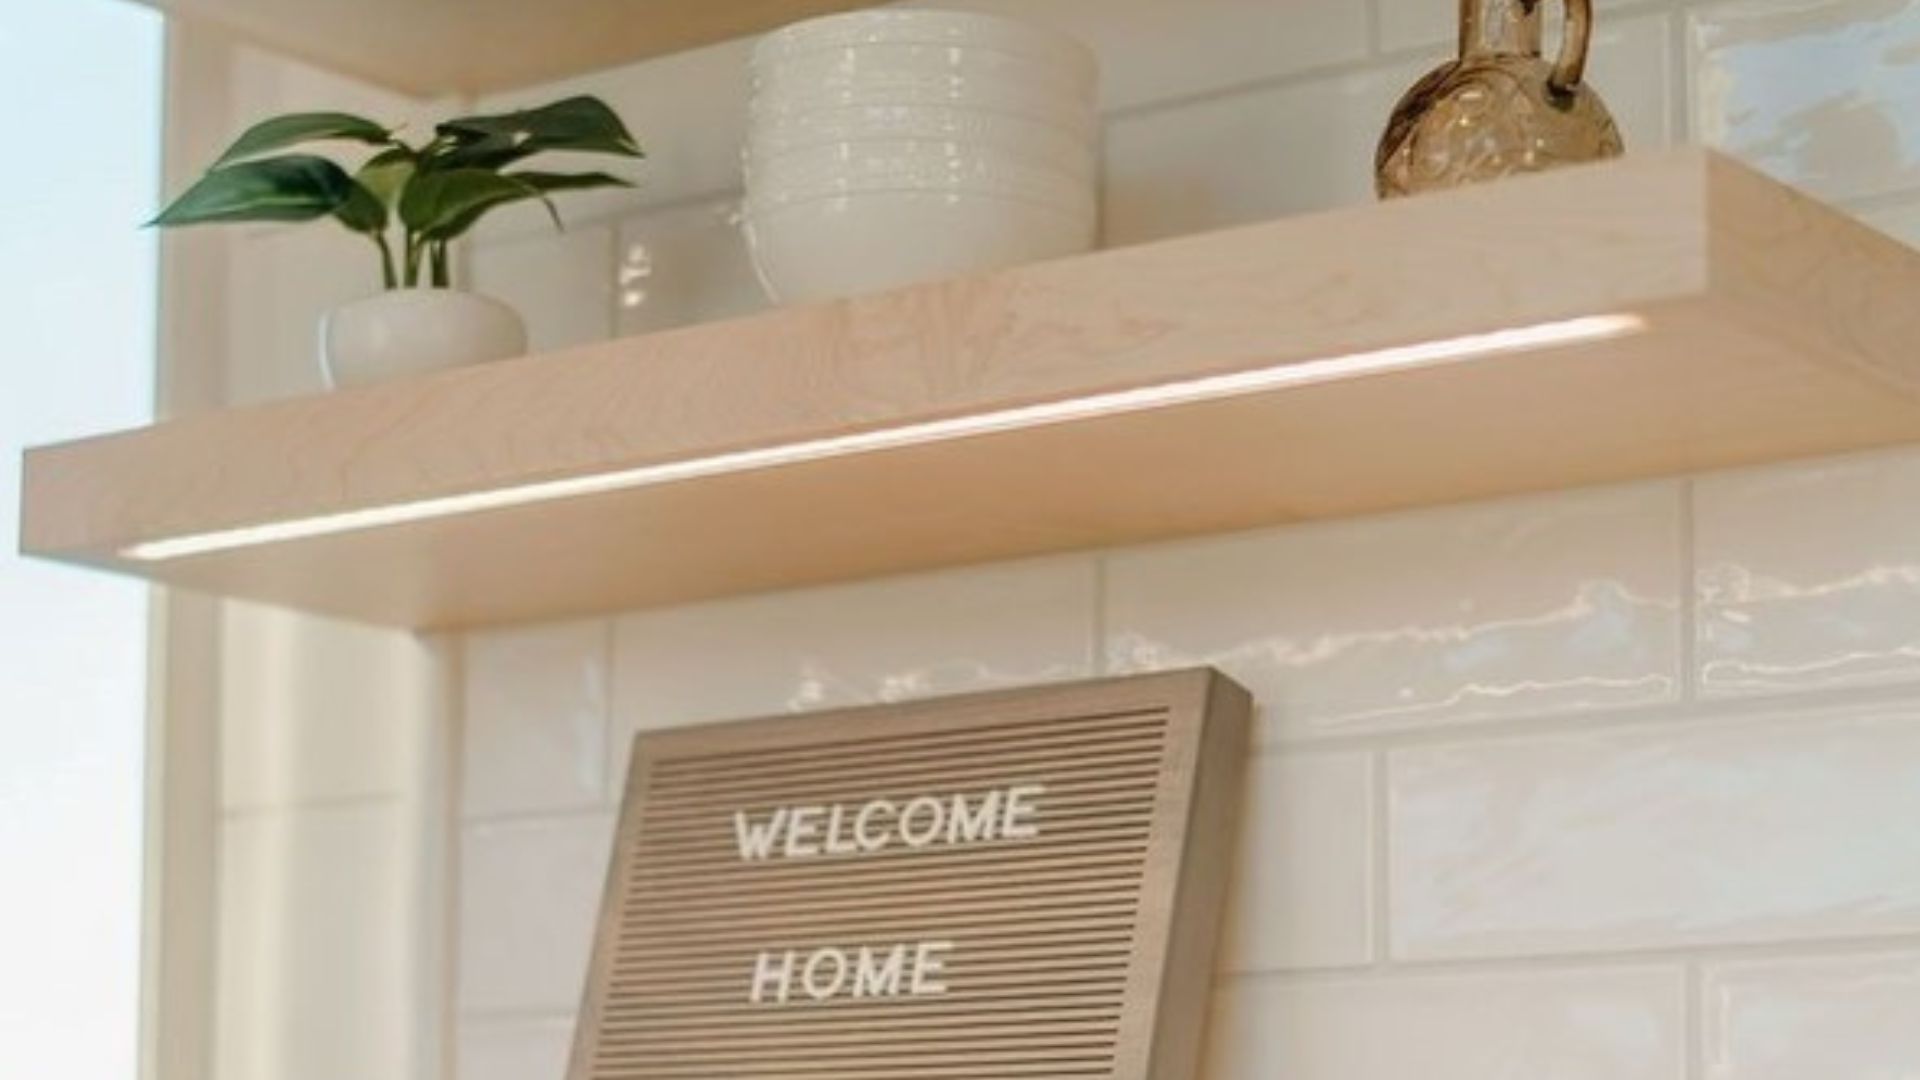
point(892, 146)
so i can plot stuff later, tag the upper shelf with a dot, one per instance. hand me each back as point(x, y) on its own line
point(1645, 317)
point(434, 47)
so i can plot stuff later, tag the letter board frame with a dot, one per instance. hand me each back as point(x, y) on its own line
point(1068, 932)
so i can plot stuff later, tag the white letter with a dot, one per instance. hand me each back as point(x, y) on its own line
point(814, 989)
point(932, 806)
point(1019, 809)
point(801, 830)
point(756, 841)
point(866, 840)
point(977, 826)
point(763, 974)
point(926, 966)
point(879, 980)
point(837, 844)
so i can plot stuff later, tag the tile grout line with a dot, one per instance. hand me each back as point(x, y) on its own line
point(452, 831)
point(1695, 1066)
point(611, 261)
point(1097, 618)
point(559, 815)
point(1380, 860)
point(322, 804)
point(1689, 595)
point(1679, 76)
point(610, 749)
point(1757, 708)
point(1677, 956)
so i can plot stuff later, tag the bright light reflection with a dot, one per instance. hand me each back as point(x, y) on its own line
point(1141, 399)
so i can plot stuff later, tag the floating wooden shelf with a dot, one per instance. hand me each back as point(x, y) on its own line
point(1650, 316)
point(434, 47)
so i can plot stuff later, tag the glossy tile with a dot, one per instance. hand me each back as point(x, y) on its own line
point(1632, 66)
point(884, 640)
point(689, 112)
point(562, 284)
point(1406, 24)
point(317, 961)
point(1659, 836)
point(685, 265)
point(529, 897)
point(513, 1049)
point(1526, 607)
point(1302, 892)
point(535, 737)
point(1613, 1024)
point(1294, 148)
point(1809, 575)
point(1824, 94)
point(280, 285)
point(316, 710)
point(1900, 220)
point(1242, 41)
point(1845, 1018)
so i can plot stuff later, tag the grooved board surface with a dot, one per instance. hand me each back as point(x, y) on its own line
point(780, 888)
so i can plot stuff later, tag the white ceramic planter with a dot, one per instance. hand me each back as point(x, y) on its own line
point(414, 331)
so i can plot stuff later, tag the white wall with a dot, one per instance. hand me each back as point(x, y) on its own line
point(328, 740)
point(1601, 784)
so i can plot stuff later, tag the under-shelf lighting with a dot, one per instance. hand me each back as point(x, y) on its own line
point(1140, 399)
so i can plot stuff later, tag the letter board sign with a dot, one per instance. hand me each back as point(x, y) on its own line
point(1020, 884)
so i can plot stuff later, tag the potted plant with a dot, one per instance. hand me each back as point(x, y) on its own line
point(410, 202)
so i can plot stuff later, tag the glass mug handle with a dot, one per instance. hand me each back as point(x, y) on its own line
point(1571, 67)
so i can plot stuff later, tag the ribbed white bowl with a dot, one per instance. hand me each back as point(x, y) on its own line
point(1074, 113)
point(941, 28)
point(877, 65)
point(841, 246)
point(1015, 134)
point(778, 164)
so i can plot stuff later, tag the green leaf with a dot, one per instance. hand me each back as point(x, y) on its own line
point(297, 187)
point(363, 212)
point(284, 131)
point(583, 124)
point(550, 182)
point(442, 205)
point(493, 152)
point(386, 173)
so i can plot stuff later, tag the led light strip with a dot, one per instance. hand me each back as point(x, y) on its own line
point(1184, 392)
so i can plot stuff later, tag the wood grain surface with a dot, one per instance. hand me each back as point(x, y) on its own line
point(431, 48)
point(1775, 328)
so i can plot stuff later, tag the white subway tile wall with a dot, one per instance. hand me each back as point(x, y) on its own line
point(1824, 93)
point(684, 265)
point(1796, 1018)
point(1602, 1024)
point(1512, 609)
point(535, 732)
point(529, 895)
point(886, 640)
point(1809, 576)
point(1598, 784)
point(514, 1049)
point(316, 973)
point(1303, 888)
point(1660, 835)
point(566, 278)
